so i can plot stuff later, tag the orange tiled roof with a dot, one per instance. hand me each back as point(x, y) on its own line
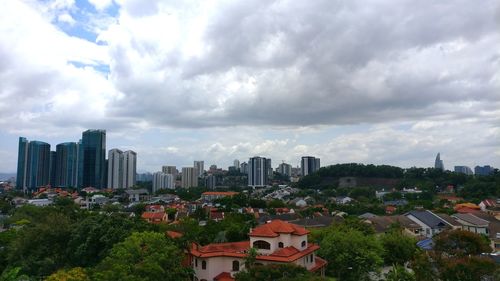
point(224, 276)
point(227, 193)
point(275, 227)
point(152, 215)
point(467, 205)
point(174, 234)
point(319, 263)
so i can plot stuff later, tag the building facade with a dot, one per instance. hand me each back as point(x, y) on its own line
point(67, 164)
point(483, 170)
point(129, 168)
point(463, 170)
point(438, 163)
point(285, 169)
point(172, 170)
point(115, 168)
point(309, 165)
point(93, 160)
point(258, 171)
point(189, 177)
point(33, 168)
point(200, 167)
point(163, 181)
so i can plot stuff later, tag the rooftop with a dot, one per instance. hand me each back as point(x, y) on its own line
point(276, 227)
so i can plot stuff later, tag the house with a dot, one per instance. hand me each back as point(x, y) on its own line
point(343, 200)
point(493, 229)
point(276, 242)
point(155, 217)
point(383, 224)
point(466, 208)
point(210, 196)
point(390, 209)
point(429, 222)
point(155, 208)
point(137, 195)
point(472, 223)
point(40, 202)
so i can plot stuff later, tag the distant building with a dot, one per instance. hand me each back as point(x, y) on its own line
point(169, 170)
point(145, 177)
point(189, 177)
point(309, 165)
point(129, 168)
point(115, 169)
point(163, 181)
point(210, 181)
point(52, 168)
point(244, 168)
point(484, 170)
point(236, 164)
point(257, 171)
point(200, 167)
point(93, 161)
point(33, 168)
point(285, 169)
point(463, 170)
point(210, 196)
point(269, 168)
point(67, 164)
point(438, 163)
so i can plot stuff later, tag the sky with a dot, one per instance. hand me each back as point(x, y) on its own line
point(382, 82)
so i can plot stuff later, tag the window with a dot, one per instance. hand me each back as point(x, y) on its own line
point(260, 244)
point(303, 244)
point(236, 266)
point(280, 245)
point(203, 265)
point(195, 262)
point(311, 258)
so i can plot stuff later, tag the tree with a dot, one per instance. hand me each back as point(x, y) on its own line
point(351, 254)
point(276, 272)
point(466, 269)
point(398, 248)
point(461, 243)
point(399, 273)
point(142, 256)
point(423, 268)
point(73, 274)
point(13, 274)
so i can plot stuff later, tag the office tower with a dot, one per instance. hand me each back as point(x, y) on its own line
point(189, 177)
point(244, 168)
point(438, 164)
point(162, 181)
point(309, 165)
point(210, 181)
point(52, 168)
point(257, 171)
point(463, 170)
point(285, 169)
point(200, 167)
point(236, 164)
point(145, 177)
point(66, 164)
point(484, 170)
point(172, 170)
point(115, 169)
point(37, 165)
point(129, 168)
point(22, 164)
point(269, 168)
point(94, 159)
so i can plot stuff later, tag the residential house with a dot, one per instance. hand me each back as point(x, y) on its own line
point(210, 196)
point(343, 200)
point(429, 222)
point(155, 217)
point(276, 242)
point(137, 195)
point(382, 224)
point(472, 223)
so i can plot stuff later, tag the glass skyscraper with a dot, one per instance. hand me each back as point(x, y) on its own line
point(93, 160)
point(22, 159)
point(33, 164)
point(67, 164)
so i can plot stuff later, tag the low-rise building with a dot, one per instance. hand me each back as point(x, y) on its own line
point(472, 223)
point(429, 222)
point(210, 196)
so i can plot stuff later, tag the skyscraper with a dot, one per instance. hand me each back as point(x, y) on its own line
point(129, 168)
point(22, 164)
point(66, 164)
point(257, 171)
point(285, 169)
point(244, 168)
point(38, 164)
point(236, 164)
point(189, 177)
point(52, 168)
point(172, 170)
point(463, 170)
point(200, 167)
point(162, 181)
point(438, 164)
point(309, 165)
point(93, 150)
point(484, 170)
point(115, 168)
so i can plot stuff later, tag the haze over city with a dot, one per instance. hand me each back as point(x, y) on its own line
point(346, 81)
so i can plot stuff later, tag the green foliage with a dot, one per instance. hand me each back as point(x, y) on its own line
point(5, 239)
point(73, 274)
point(350, 253)
point(398, 248)
point(467, 269)
point(276, 204)
point(13, 274)
point(461, 243)
point(142, 256)
point(399, 273)
point(423, 268)
point(276, 272)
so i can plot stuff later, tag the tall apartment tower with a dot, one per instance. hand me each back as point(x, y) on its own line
point(66, 164)
point(236, 164)
point(309, 165)
point(189, 177)
point(285, 169)
point(129, 168)
point(172, 170)
point(438, 163)
point(33, 167)
point(115, 169)
point(93, 160)
point(163, 181)
point(463, 170)
point(244, 168)
point(200, 167)
point(257, 171)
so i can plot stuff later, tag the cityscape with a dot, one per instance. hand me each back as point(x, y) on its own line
point(249, 140)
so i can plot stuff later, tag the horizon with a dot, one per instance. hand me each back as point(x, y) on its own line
point(218, 81)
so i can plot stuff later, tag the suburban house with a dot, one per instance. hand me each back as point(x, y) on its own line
point(382, 224)
point(155, 217)
point(210, 196)
point(137, 195)
point(277, 242)
point(472, 223)
point(429, 222)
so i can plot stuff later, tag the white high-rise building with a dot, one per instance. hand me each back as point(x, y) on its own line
point(115, 169)
point(200, 167)
point(309, 165)
point(163, 181)
point(258, 171)
point(129, 168)
point(189, 177)
point(236, 164)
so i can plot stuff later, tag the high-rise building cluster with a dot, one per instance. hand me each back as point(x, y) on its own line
point(75, 164)
point(309, 165)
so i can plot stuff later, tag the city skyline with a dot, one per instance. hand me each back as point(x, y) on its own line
point(191, 81)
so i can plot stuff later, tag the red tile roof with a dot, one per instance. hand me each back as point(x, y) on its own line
point(224, 276)
point(153, 215)
point(319, 264)
point(174, 234)
point(275, 227)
